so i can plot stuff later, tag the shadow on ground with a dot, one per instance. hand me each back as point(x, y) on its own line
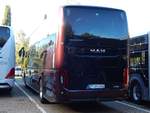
point(5, 93)
point(90, 107)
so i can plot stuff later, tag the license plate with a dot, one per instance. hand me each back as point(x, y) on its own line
point(96, 86)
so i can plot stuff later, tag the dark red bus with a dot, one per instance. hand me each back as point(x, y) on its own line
point(85, 60)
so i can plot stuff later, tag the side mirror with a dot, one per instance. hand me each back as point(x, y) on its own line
point(51, 43)
point(22, 52)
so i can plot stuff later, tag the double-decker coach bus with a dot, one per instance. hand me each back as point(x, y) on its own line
point(85, 60)
point(7, 57)
point(139, 83)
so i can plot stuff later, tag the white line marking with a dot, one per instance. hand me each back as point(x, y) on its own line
point(129, 105)
point(43, 111)
point(31, 99)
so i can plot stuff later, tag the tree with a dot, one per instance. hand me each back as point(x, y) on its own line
point(7, 16)
point(21, 41)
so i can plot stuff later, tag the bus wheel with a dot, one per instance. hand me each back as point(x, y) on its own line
point(9, 90)
point(24, 79)
point(136, 92)
point(42, 99)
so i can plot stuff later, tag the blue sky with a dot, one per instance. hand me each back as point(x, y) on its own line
point(27, 15)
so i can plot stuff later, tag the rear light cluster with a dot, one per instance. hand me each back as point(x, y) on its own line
point(60, 42)
point(125, 76)
point(11, 74)
point(64, 80)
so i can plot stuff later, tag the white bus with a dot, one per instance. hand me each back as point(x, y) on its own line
point(7, 57)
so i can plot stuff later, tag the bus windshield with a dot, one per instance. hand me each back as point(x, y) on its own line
point(95, 22)
point(4, 35)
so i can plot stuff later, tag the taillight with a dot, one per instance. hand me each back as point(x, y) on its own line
point(64, 78)
point(60, 42)
point(11, 73)
point(125, 77)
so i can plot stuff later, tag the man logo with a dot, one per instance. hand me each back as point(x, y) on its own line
point(98, 50)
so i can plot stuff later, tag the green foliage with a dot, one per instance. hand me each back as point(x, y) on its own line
point(21, 41)
point(7, 16)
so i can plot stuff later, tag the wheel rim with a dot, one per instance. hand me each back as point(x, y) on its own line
point(136, 92)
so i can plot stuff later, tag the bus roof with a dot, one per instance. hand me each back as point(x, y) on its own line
point(88, 6)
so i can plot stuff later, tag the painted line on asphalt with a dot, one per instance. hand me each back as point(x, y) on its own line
point(132, 106)
point(43, 111)
point(31, 99)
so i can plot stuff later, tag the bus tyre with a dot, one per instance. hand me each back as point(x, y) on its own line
point(24, 79)
point(9, 90)
point(42, 99)
point(136, 92)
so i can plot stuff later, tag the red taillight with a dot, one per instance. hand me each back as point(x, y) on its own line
point(125, 77)
point(64, 78)
point(60, 42)
point(11, 73)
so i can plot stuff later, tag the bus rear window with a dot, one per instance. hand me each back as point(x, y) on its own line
point(94, 21)
point(4, 35)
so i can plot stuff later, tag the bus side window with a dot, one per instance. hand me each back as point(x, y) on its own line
point(43, 56)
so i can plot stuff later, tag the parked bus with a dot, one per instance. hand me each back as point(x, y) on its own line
point(139, 85)
point(85, 60)
point(7, 57)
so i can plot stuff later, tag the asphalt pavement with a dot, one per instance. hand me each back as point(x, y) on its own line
point(24, 100)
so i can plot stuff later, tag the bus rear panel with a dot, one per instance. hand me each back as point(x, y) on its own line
point(7, 57)
point(95, 49)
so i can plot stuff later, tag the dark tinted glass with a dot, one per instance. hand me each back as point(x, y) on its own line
point(143, 39)
point(93, 21)
point(4, 35)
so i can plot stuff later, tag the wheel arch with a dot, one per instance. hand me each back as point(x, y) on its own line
point(137, 78)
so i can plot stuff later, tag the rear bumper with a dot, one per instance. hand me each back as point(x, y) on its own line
point(93, 95)
point(6, 83)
